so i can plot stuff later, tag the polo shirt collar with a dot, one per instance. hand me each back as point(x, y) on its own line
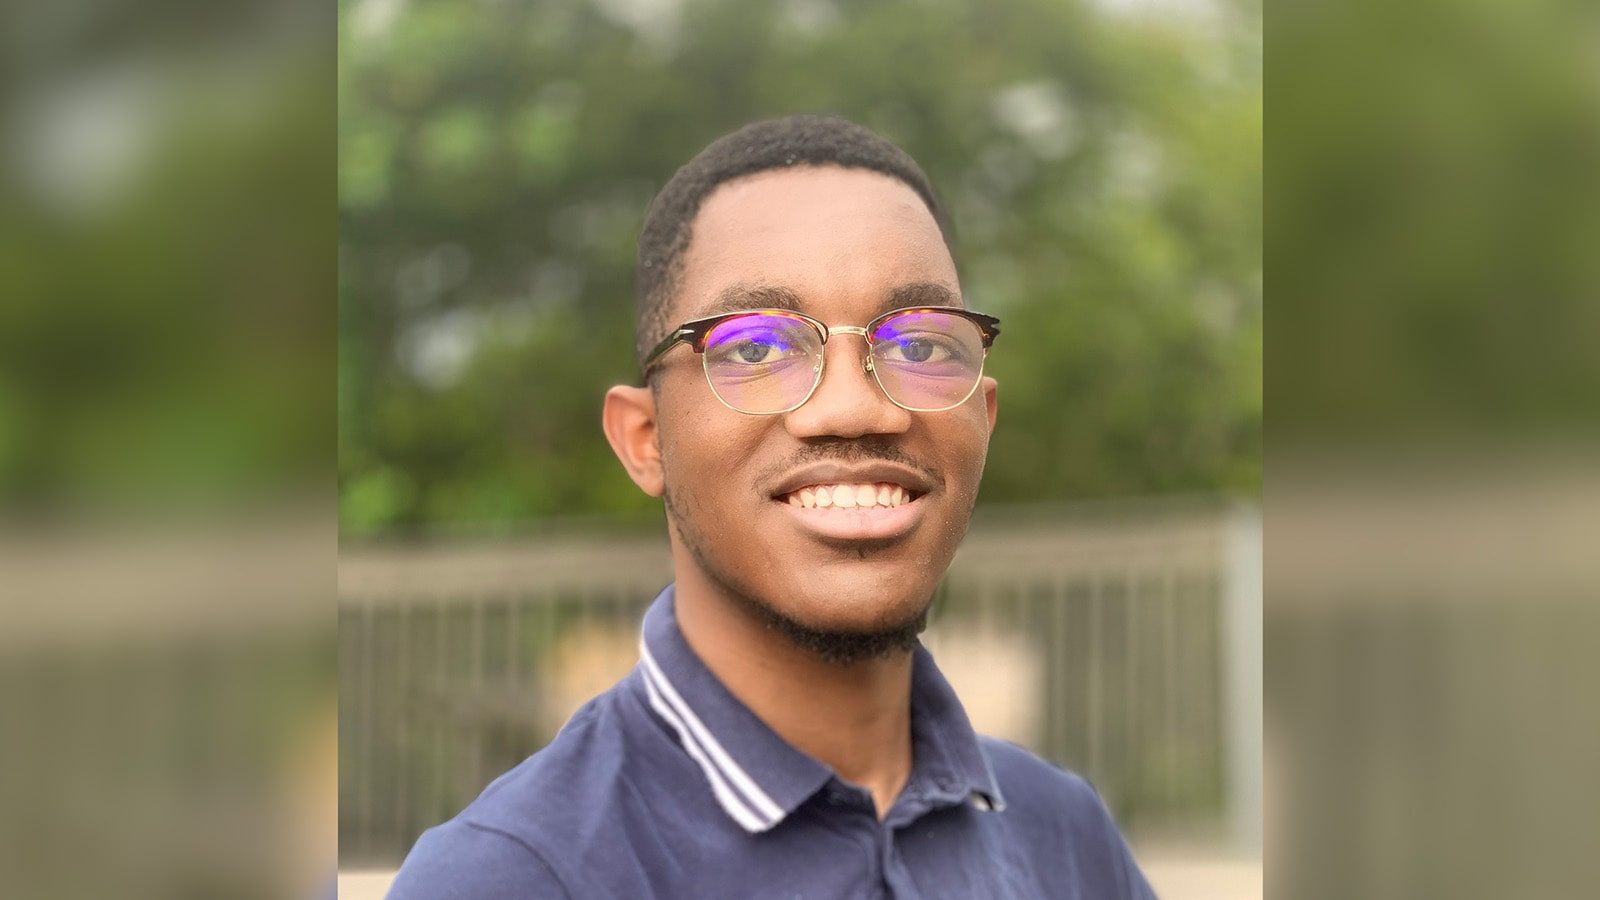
point(757, 777)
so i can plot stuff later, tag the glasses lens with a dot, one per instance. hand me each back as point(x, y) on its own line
point(763, 363)
point(927, 360)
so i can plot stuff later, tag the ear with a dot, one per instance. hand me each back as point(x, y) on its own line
point(629, 420)
point(991, 400)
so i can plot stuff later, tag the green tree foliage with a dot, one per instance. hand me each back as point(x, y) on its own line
point(1102, 165)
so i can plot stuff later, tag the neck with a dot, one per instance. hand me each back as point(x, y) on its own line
point(855, 718)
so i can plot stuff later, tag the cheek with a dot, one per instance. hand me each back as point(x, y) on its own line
point(705, 454)
point(965, 445)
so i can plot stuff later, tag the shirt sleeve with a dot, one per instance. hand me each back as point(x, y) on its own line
point(463, 861)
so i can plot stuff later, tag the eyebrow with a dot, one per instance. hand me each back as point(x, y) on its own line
point(744, 295)
point(920, 293)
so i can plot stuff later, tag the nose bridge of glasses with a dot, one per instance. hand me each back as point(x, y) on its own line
point(856, 330)
point(866, 358)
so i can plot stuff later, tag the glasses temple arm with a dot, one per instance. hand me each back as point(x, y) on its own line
point(666, 344)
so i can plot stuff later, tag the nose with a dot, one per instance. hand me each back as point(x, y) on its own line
point(848, 402)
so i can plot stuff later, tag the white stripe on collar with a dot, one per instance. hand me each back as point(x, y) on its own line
point(725, 796)
point(690, 729)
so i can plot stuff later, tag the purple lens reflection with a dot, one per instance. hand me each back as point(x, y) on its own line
point(763, 362)
point(927, 360)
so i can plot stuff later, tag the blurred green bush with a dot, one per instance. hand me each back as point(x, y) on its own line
point(1102, 165)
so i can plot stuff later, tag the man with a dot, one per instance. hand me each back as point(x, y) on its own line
point(816, 421)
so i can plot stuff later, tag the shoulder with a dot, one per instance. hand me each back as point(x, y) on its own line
point(582, 759)
point(463, 860)
point(1032, 785)
point(512, 839)
point(1057, 814)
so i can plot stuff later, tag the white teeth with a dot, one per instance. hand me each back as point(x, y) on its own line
point(850, 496)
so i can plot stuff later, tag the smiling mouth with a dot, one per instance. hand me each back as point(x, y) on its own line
point(868, 495)
point(855, 515)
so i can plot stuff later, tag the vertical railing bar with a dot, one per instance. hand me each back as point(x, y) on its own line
point(1095, 704)
point(477, 706)
point(1055, 612)
point(368, 765)
point(514, 604)
point(1210, 704)
point(1170, 695)
point(440, 703)
point(402, 723)
point(1133, 696)
point(539, 664)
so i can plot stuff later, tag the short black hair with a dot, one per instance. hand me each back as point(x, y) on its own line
point(769, 144)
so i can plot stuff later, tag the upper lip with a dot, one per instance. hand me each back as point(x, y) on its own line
point(840, 473)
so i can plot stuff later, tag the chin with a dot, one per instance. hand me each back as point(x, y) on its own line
point(855, 631)
point(855, 605)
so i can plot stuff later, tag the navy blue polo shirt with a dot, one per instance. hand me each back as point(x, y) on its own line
point(667, 786)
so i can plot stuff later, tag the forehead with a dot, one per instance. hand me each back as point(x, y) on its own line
point(844, 242)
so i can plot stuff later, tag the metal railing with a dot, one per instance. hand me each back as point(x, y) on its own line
point(1099, 637)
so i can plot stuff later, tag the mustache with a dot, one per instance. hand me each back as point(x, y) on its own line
point(849, 450)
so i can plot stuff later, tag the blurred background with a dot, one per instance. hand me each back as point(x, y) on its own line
point(167, 541)
point(168, 269)
point(1433, 503)
point(1102, 163)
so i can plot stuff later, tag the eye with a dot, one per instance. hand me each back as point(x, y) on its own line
point(753, 352)
point(755, 345)
point(919, 347)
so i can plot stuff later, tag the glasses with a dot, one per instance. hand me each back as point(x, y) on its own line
point(769, 361)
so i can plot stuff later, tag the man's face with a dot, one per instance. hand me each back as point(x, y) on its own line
point(849, 244)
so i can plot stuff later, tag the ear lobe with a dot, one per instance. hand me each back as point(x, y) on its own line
point(991, 400)
point(629, 420)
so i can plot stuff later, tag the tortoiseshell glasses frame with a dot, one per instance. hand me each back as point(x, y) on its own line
point(772, 387)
